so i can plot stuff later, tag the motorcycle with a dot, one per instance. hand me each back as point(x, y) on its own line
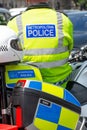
point(27, 103)
point(78, 83)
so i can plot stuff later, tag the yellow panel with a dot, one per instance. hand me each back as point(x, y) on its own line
point(68, 118)
point(44, 125)
point(21, 66)
point(52, 89)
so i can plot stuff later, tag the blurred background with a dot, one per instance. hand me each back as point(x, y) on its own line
point(58, 4)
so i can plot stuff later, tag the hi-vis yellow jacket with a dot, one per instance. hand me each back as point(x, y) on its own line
point(47, 37)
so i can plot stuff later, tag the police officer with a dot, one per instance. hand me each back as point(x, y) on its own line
point(47, 37)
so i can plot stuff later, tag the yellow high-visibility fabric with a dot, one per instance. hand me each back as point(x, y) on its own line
point(46, 16)
point(21, 71)
point(57, 91)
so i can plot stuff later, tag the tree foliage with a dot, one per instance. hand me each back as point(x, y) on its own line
point(82, 3)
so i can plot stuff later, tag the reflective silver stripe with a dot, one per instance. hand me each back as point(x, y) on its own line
point(20, 27)
point(49, 64)
point(45, 51)
point(60, 29)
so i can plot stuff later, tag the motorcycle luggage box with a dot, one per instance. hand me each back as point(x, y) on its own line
point(44, 106)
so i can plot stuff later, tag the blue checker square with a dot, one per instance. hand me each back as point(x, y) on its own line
point(49, 113)
point(70, 98)
point(62, 128)
point(35, 85)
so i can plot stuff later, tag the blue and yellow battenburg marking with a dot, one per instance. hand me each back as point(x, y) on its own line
point(50, 115)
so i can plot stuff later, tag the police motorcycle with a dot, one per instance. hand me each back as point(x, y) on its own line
point(78, 83)
point(28, 103)
point(11, 70)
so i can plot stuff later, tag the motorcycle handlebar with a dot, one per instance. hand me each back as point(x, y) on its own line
point(79, 56)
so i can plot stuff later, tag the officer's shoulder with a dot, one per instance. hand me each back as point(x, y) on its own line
point(61, 11)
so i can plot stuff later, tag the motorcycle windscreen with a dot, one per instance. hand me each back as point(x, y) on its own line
point(78, 90)
point(47, 106)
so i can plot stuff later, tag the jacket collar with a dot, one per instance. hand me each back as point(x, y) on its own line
point(39, 5)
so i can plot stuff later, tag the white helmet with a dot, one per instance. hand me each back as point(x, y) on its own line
point(10, 46)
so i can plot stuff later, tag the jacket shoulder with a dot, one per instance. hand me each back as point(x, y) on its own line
point(60, 11)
